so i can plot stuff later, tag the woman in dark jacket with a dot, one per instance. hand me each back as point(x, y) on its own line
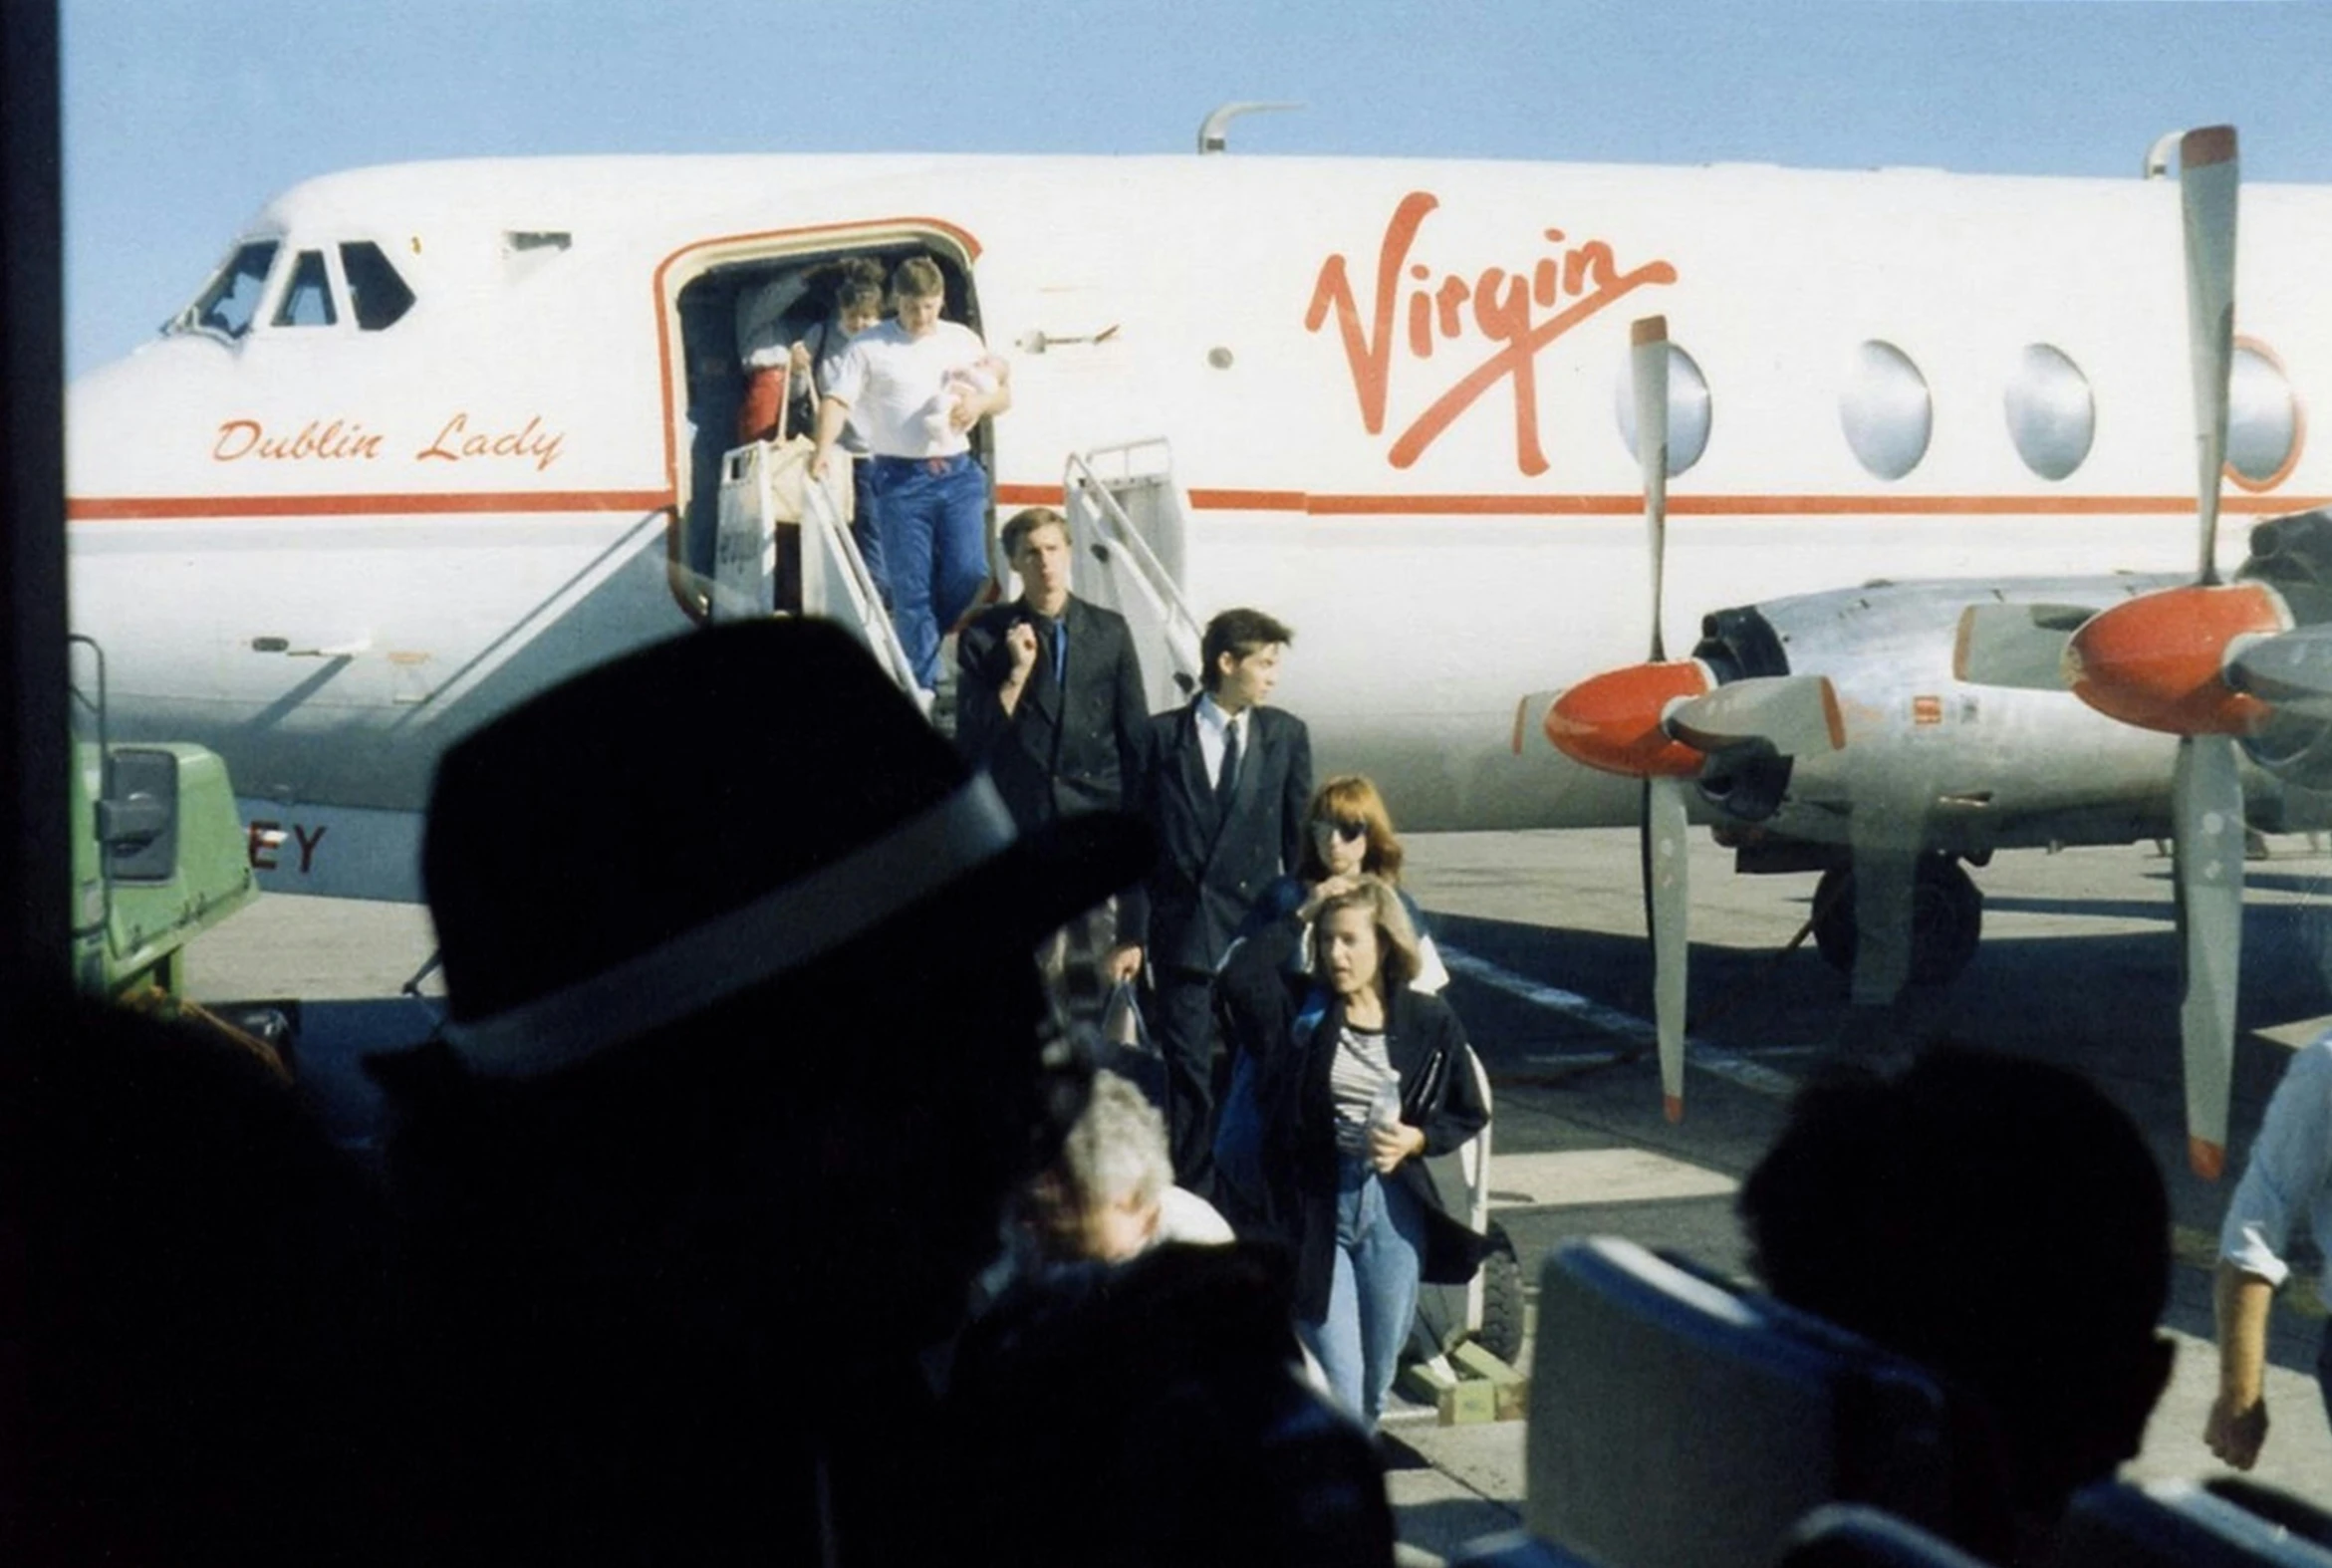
point(1347, 830)
point(1360, 1076)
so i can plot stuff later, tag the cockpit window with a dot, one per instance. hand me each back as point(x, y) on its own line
point(376, 293)
point(307, 299)
point(232, 300)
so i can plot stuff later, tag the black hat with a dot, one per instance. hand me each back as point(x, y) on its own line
point(669, 830)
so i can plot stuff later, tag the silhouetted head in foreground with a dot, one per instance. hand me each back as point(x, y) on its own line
point(747, 1048)
point(1996, 1219)
point(198, 1366)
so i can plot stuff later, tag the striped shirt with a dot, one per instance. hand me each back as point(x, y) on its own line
point(1362, 1067)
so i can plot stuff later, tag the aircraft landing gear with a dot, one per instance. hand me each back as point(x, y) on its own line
point(1946, 918)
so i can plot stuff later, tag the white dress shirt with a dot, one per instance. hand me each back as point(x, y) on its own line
point(2285, 1183)
point(1213, 725)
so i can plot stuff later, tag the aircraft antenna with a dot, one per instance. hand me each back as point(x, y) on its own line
point(1215, 130)
point(2158, 155)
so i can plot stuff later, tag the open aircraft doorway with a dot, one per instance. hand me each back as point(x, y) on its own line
point(706, 289)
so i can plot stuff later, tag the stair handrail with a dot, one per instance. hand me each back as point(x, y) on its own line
point(867, 609)
point(1125, 451)
point(1180, 624)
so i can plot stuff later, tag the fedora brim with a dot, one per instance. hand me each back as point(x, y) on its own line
point(1002, 899)
point(588, 884)
point(1049, 874)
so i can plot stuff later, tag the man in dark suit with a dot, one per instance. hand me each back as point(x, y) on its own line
point(1228, 783)
point(1049, 700)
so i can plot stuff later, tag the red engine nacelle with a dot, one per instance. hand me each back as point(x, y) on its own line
point(2156, 661)
point(1612, 721)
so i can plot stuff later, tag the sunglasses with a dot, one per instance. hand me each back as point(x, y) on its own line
point(1344, 828)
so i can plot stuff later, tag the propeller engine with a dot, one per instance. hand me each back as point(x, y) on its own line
point(1716, 719)
point(2214, 664)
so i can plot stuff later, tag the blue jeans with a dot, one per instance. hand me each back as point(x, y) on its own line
point(864, 531)
point(933, 516)
point(1380, 1235)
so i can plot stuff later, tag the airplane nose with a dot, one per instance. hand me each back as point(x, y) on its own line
point(2157, 662)
point(1612, 721)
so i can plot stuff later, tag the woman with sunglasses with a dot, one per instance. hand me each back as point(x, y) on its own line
point(1348, 834)
point(1359, 1077)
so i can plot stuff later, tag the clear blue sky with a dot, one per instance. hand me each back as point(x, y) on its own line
point(180, 117)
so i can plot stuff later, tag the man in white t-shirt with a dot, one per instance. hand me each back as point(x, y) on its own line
point(915, 387)
point(2285, 1193)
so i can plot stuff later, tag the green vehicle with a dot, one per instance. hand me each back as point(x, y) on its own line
point(158, 854)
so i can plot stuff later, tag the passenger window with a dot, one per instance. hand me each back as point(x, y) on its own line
point(2052, 418)
point(1885, 410)
point(2262, 418)
point(377, 293)
point(1687, 410)
point(232, 299)
point(306, 300)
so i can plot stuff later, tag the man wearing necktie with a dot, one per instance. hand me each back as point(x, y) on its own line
point(1227, 787)
point(1049, 700)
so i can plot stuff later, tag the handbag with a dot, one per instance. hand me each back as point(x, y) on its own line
point(1453, 1250)
point(1125, 1046)
point(1423, 1096)
point(1122, 1028)
point(800, 414)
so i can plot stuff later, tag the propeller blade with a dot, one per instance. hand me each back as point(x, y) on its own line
point(1668, 907)
point(2210, 180)
point(1793, 714)
point(1885, 924)
point(2017, 646)
point(1531, 715)
point(1647, 364)
point(2207, 810)
point(2294, 668)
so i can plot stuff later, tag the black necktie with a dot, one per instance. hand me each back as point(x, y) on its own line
point(1047, 670)
point(1229, 776)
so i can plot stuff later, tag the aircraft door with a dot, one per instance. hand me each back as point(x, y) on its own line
point(1126, 527)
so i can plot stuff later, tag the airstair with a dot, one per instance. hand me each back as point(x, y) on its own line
point(784, 547)
point(1127, 529)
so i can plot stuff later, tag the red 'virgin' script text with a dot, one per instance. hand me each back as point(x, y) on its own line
point(1574, 284)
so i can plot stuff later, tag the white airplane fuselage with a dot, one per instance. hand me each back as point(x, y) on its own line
point(1390, 388)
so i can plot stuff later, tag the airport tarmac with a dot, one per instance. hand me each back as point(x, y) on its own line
point(2079, 965)
point(1542, 931)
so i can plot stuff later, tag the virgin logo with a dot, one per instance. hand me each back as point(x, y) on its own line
point(1517, 313)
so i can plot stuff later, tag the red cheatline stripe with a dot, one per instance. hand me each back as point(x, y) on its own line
point(1632, 505)
point(1629, 505)
point(117, 508)
point(1256, 500)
